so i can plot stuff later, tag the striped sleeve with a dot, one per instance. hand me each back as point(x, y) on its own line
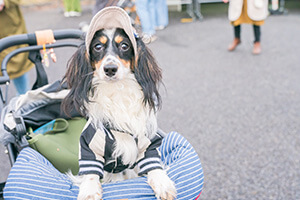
point(151, 159)
point(89, 160)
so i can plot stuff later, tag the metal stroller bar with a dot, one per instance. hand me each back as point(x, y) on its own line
point(30, 38)
point(4, 79)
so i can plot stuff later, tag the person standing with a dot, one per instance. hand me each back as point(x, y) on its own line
point(72, 8)
point(250, 12)
point(12, 23)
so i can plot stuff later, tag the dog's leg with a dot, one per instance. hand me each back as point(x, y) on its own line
point(90, 188)
point(163, 186)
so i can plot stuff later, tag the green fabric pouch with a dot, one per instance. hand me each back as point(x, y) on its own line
point(58, 141)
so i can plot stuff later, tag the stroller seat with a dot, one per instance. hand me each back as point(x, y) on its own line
point(34, 177)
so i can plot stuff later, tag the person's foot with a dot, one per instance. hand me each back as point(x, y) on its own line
point(67, 14)
point(147, 39)
point(159, 28)
point(256, 48)
point(234, 44)
point(75, 14)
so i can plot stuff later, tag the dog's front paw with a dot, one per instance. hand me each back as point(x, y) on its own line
point(90, 188)
point(162, 185)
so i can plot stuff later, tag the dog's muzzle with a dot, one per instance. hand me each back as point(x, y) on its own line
point(110, 70)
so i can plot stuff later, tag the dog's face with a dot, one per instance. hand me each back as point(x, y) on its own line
point(111, 57)
point(111, 54)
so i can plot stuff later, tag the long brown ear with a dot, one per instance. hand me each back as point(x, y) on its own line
point(79, 79)
point(148, 75)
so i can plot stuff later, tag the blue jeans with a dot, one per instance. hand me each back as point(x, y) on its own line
point(22, 83)
point(161, 13)
point(146, 12)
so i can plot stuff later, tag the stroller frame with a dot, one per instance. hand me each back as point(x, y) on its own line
point(187, 173)
point(31, 40)
point(13, 149)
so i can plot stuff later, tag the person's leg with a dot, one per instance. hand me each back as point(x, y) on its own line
point(257, 34)
point(67, 8)
point(22, 83)
point(237, 31)
point(144, 10)
point(77, 6)
point(67, 5)
point(237, 38)
point(161, 14)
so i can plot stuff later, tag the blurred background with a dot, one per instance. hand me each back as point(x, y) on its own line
point(240, 111)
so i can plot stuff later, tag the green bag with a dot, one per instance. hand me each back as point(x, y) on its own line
point(58, 141)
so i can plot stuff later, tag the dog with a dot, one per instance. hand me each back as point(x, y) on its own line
point(113, 80)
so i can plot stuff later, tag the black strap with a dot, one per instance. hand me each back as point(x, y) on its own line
point(2, 101)
point(2, 184)
point(41, 76)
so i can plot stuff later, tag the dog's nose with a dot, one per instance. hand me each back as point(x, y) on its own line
point(110, 70)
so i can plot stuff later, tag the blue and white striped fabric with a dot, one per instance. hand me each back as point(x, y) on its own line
point(34, 177)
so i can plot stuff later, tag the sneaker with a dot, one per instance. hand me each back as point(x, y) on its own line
point(147, 39)
point(159, 28)
point(75, 14)
point(67, 14)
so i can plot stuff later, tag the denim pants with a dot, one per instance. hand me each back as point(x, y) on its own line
point(22, 83)
point(146, 12)
point(152, 13)
point(161, 13)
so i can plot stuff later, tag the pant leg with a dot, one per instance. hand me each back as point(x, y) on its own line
point(76, 6)
point(161, 13)
point(22, 83)
point(67, 5)
point(237, 31)
point(144, 10)
point(72, 5)
point(257, 33)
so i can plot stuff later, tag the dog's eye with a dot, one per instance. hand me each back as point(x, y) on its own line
point(124, 46)
point(98, 47)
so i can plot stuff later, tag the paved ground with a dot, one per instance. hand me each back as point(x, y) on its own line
point(240, 112)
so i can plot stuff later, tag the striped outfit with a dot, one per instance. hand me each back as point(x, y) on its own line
point(34, 177)
point(96, 150)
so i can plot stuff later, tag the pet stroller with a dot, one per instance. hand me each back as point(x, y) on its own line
point(42, 144)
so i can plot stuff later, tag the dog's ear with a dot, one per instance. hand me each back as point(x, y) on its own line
point(79, 79)
point(148, 75)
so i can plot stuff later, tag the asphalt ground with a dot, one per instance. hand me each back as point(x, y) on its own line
point(240, 112)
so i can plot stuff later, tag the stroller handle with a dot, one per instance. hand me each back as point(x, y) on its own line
point(31, 39)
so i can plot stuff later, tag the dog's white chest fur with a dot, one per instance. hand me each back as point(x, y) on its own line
point(120, 104)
